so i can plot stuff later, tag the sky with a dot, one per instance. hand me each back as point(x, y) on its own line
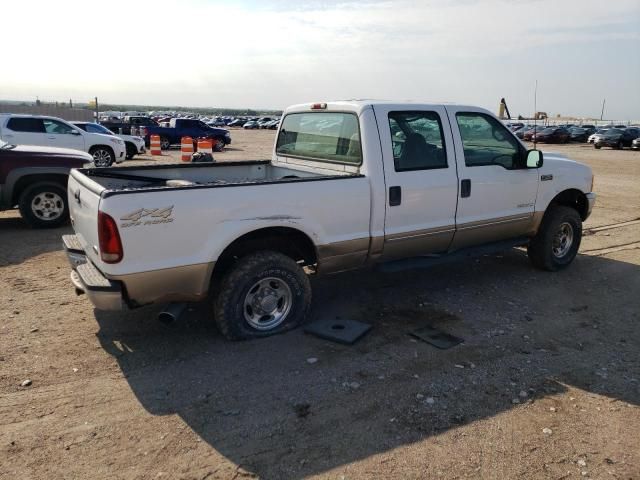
point(270, 54)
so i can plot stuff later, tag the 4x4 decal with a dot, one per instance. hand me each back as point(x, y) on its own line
point(151, 216)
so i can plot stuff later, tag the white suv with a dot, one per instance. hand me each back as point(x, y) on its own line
point(55, 132)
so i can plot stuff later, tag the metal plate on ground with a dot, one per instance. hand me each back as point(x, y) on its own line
point(436, 337)
point(346, 332)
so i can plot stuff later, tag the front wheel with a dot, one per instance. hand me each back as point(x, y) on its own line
point(164, 143)
point(557, 242)
point(263, 294)
point(102, 156)
point(44, 206)
point(218, 144)
point(596, 146)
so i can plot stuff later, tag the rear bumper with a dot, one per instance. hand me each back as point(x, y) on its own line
point(105, 294)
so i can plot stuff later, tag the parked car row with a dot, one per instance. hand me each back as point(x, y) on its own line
point(616, 136)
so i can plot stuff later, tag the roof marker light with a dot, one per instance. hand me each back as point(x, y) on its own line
point(319, 106)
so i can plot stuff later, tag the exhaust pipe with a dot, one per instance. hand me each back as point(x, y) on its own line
point(172, 313)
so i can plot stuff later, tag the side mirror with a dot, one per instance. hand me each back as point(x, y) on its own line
point(534, 159)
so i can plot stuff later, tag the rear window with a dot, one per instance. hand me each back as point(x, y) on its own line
point(18, 124)
point(325, 136)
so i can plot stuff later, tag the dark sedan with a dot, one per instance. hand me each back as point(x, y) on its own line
point(618, 138)
point(552, 135)
point(577, 134)
point(526, 135)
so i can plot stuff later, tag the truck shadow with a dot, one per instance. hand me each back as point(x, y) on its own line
point(528, 335)
point(19, 242)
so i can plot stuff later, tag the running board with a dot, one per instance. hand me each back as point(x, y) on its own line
point(428, 261)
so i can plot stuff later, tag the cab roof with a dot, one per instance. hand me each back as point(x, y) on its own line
point(359, 105)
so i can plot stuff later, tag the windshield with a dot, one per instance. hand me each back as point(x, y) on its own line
point(614, 131)
point(548, 130)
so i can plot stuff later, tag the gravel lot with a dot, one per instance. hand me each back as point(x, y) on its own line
point(546, 384)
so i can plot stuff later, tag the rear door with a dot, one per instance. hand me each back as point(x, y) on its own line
point(497, 191)
point(421, 180)
point(25, 131)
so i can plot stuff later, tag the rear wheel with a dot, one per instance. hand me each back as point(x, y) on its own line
point(102, 156)
point(263, 294)
point(164, 143)
point(44, 205)
point(557, 242)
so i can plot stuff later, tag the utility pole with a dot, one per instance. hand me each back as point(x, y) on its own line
point(97, 116)
point(602, 112)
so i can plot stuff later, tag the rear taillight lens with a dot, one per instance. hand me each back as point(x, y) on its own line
point(109, 239)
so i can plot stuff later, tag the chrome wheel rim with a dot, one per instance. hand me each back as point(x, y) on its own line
point(562, 240)
point(164, 144)
point(267, 303)
point(47, 206)
point(101, 158)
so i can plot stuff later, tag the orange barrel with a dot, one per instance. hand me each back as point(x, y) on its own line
point(155, 145)
point(205, 145)
point(186, 149)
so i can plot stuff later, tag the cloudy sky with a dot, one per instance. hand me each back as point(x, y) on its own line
point(269, 54)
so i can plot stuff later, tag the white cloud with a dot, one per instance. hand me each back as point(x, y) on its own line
point(216, 53)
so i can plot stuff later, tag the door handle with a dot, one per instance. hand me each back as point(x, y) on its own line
point(395, 196)
point(465, 188)
point(51, 138)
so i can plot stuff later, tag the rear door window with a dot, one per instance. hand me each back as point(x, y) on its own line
point(325, 136)
point(33, 125)
point(418, 141)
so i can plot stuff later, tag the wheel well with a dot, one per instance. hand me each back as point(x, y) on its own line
point(289, 241)
point(29, 180)
point(101, 146)
point(573, 198)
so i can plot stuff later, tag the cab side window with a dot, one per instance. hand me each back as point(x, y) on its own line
point(417, 140)
point(487, 142)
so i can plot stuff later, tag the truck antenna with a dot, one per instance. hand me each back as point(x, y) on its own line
point(535, 115)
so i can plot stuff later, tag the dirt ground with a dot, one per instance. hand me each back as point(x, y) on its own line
point(545, 385)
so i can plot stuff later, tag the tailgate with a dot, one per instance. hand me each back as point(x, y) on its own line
point(84, 201)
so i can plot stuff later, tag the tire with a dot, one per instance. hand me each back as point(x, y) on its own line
point(557, 242)
point(44, 205)
point(620, 145)
point(132, 151)
point(260, 276)
point(102, 156)
point(218, 146)
point(596, 146)
point(164, 143)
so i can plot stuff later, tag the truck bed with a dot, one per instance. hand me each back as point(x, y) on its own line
point(200, 175)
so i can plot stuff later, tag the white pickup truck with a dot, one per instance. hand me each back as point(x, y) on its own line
point(349, 184)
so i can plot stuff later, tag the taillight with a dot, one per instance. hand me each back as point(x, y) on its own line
point(109, 239)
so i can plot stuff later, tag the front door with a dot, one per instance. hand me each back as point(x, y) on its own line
point(421, 180)
point(497, 192)
point(59, 134)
